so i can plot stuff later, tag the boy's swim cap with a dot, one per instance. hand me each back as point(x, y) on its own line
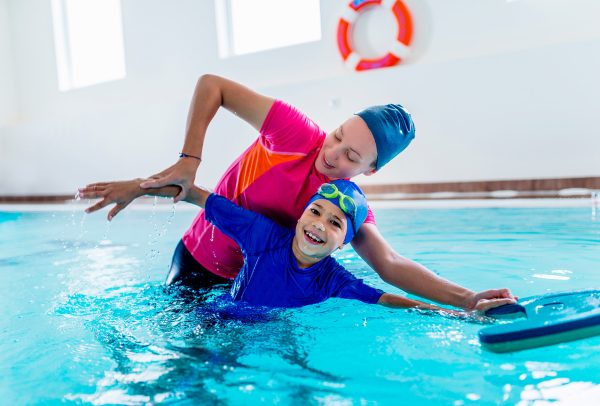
point(392, 127)
point(350, 189)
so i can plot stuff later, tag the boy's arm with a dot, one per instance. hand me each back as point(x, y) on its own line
point(124, 192)
point(211, 93)
point(252, 231)
point(417, 279)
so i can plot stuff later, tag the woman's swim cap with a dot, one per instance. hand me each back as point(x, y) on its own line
point(392, 127)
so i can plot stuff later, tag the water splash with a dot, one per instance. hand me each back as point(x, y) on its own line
point(159, 229)
point(76, 225)
point(105, 240)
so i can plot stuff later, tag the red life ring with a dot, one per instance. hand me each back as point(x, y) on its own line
point(398, 52)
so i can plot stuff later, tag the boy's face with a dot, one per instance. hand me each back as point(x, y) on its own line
point(320, 230)
point(348, 151)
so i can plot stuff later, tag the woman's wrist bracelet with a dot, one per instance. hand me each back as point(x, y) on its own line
point(184, 155)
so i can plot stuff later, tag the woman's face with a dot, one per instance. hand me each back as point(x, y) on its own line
point(349, 150)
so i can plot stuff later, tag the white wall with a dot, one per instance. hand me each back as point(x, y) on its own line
point(7, 96)
point(498, 90)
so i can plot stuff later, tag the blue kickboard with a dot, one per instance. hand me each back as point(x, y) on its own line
point(544, 320)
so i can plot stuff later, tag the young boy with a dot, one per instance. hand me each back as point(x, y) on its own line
point(292, 268)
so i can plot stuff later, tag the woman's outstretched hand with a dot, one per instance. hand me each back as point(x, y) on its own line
point(182, 174)
point(122, 193)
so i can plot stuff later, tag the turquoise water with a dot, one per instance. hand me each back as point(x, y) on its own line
point(86, 319)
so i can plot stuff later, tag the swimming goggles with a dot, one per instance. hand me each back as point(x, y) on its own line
point(347, 204)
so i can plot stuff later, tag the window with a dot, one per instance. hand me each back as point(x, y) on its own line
point(88, 38)
point(246, 26)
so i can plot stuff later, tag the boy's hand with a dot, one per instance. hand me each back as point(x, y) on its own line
point(487, 299)
point(122, 193)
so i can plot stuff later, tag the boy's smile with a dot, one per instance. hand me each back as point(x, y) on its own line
point(312, 237)
point(320, 231)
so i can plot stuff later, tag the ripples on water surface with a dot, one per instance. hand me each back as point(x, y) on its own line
point(86, 319)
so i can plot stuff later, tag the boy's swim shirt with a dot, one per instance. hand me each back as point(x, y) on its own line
point(275, 177)
point(270, 275)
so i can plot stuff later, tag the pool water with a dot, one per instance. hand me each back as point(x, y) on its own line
point(86, 318)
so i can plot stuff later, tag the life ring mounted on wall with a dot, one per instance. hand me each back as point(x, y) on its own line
point(400, 49)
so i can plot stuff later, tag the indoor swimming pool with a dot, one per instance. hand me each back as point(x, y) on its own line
point(86, 318)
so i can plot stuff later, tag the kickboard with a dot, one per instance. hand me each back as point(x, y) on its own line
point(543, 320)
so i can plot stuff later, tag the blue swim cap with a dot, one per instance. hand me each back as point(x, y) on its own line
point(392, 127)
point(350, 189)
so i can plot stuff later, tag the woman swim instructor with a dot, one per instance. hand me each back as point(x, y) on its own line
point(277, 174)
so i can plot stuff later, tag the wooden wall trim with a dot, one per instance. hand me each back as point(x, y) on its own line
point(519, 185)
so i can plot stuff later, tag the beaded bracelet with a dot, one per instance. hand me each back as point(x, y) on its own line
point(184, 155)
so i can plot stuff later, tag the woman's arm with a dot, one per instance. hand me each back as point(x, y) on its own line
point(397, 301)
point(417, 279)
point(211, 93)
